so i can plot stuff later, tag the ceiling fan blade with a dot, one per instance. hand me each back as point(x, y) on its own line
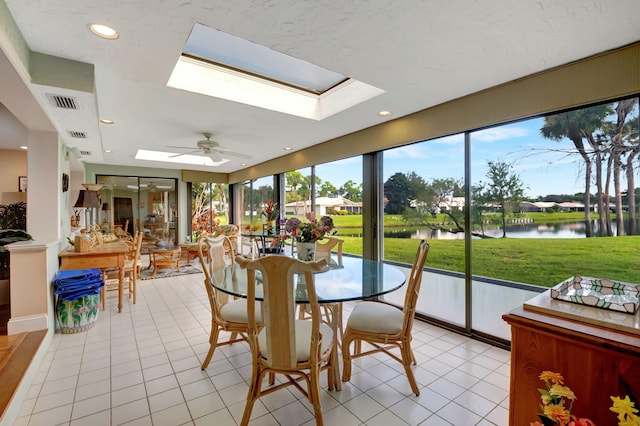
point(180, 147)
point(184, 153)
point(234, 154)
point(215, 156)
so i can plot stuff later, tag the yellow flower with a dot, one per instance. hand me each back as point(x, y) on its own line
point(626, 411)
point(557, 413)
point(546, 399)
point(550, 376)
point(562, 391)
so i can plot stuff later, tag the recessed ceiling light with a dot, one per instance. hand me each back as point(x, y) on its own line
point(105, 121)
point(24, 147)
point(287, 148)
point(104, 31)
point(384, 113)
point(243, 164)
point(108, 151)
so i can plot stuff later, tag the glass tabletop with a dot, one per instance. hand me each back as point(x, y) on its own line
point(355, 279)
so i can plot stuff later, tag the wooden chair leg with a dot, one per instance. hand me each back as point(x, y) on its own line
point(252, 395)
point(213, 341)
point(103, 297)
point(346, 358)
point(314, 395)
point(407, 356)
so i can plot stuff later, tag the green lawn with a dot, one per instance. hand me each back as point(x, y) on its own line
point(539, 261)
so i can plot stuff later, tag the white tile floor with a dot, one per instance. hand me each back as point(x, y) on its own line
point(142, 367)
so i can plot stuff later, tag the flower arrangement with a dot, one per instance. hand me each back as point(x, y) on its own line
point(310, 231)
point(553, 398)
point(270, 210)
point(554, 412)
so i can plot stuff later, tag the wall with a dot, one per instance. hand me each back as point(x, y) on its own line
point(12, 165)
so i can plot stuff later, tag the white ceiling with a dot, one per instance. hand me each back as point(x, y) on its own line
point(421, 53)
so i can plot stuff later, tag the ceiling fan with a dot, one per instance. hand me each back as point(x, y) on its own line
point(211, 149)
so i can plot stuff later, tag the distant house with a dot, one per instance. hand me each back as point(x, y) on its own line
point(324, 206)
point(538, 206)
point(571, 207)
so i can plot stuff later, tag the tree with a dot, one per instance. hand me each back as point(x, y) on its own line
point(420, 190)
point(203, 218)
point(444, 191)
point(351, 191)
point(505, 188)
point(623, 141)
point(293, 180)
point(576, 126)
point(220, 196)
point(327, 189)
point(398, 193)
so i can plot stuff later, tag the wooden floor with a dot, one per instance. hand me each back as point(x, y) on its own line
point(16, 353)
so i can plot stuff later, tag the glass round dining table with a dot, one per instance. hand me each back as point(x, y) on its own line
point(354, 279)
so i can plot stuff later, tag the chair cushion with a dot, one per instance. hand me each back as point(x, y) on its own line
point(236, 311)
point(376, 318)
point(303, 339)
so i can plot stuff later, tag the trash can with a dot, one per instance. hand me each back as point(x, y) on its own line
point(77, 299)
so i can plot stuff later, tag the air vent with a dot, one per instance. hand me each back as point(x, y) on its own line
point(65, 102)
point(85, 153)
point(77, 134)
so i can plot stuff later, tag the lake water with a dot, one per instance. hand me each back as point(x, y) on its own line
point(529, 230)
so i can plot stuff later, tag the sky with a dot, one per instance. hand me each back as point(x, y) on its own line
point(544, 166)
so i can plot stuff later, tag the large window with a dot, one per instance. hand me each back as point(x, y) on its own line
point(424, 199)
point(338, 190)
point(545, 206)
point(508, 211)
point(209, 207)
point(254, 194)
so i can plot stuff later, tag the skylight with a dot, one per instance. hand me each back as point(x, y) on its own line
point(242, 55)
point(173, 157)
point(221, 65)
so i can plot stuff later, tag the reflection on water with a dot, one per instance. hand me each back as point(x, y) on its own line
point(528, 230)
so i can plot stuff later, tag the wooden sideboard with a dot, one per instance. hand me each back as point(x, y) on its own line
point(596, 363)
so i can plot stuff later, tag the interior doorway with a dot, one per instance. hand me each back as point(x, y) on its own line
point(123, 213)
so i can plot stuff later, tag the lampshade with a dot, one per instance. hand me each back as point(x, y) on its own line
point(88, 199)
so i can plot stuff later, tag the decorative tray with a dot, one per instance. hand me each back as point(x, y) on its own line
point(600, 293)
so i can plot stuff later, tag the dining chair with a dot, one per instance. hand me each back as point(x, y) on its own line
point(385, 327)
point(297, 349)
point(323, 250)
point(251, 244)
point(132, 268)
point(166, 258)
point(226, 315)
point(330, 311)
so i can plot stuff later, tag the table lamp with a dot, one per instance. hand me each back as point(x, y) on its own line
point(89, 201)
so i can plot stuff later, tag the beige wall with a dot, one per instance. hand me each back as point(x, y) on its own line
point(12, 165)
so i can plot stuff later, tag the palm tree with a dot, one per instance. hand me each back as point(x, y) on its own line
point(576, 126)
